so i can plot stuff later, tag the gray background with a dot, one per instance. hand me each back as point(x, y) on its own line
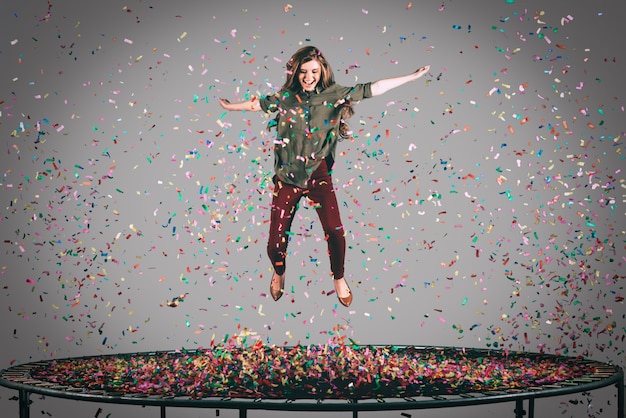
point(483, 204)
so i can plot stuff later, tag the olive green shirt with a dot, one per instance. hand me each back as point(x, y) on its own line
point(307, 128)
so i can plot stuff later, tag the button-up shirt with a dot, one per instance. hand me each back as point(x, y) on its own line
point(307, 128)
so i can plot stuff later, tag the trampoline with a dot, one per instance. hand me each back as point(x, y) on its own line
point(323, 378)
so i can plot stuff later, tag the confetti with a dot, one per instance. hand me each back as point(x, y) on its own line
point(275, 372)
point(492, 190)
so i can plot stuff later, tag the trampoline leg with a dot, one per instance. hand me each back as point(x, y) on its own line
point(162, 411)
point(620, 399)
point(519, 408)
point(531, 408)
point(243, 413)
point(24, 404)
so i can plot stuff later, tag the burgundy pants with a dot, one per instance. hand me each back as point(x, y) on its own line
point(284, 205)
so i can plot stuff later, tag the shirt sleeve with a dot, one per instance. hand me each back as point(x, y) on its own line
point(357, 92)
point(364, 90)
point(269, 104)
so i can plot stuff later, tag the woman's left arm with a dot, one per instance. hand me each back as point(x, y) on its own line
point(384, 85)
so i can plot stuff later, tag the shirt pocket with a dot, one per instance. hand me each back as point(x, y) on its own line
point(296, 120)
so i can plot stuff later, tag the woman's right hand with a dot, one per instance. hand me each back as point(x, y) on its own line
point(252, 105)
point(224, 103)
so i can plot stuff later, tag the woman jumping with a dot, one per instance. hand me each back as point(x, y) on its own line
point(311, 118)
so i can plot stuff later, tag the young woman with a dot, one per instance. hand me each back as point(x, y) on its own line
point(311, 118)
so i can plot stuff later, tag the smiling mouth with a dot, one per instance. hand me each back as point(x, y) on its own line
point(308, 84)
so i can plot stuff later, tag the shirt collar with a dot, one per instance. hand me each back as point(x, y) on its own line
point(317, 90)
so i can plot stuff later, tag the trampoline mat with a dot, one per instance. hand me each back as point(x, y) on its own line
point(318, 372)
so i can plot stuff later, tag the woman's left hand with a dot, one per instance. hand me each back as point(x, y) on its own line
point(421, 71)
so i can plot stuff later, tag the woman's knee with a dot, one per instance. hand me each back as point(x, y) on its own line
point(335, 234)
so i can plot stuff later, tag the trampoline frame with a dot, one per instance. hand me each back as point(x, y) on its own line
point(19, 378)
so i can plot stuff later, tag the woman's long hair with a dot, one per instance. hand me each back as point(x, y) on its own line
point(302, 56)
point(346, 113)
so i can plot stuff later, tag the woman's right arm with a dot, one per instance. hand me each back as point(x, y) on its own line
point(252, 105)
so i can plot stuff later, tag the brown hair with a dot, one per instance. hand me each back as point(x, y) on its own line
point(304, 55)
point(346, 113)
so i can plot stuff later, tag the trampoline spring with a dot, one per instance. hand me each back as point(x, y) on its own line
point(493, 392)
point(31, 382)
point(12, 373)
point(19, 379)
point(96, 392)
point(607, 370)
point(514, 391)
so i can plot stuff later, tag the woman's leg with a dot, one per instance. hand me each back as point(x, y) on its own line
point(284, 205)
point(322, 194)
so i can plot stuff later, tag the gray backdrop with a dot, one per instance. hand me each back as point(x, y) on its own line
point(483, 204)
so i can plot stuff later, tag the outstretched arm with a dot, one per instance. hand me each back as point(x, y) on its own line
point(384, 85)
point(249, 105)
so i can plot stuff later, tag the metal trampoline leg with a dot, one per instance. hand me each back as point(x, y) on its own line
point(162, 411)
point(24, 403)
point(519, 408)
point(620, 399)
point(243, 413)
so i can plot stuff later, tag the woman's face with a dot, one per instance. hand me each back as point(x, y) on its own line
point(309, 75)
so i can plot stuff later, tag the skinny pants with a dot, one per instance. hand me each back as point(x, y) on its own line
point(285, 202)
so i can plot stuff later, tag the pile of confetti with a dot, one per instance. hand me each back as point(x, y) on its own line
point(329, 371)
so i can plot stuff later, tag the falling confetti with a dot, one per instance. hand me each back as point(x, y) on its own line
point(482, 207)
